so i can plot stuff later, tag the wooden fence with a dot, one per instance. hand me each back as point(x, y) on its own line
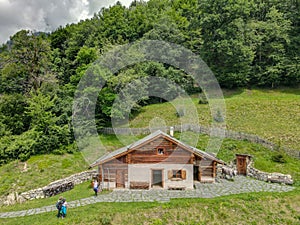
point(217, 132)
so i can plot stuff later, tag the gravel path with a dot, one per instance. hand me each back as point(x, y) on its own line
point(239, 185)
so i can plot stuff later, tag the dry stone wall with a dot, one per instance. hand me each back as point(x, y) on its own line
point(51, 189)
point(230, 171)
point(226, 172)
point(270, 177)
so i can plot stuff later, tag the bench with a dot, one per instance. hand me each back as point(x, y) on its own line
point(176, 188)
point(139, 185)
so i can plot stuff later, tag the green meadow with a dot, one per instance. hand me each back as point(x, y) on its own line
point(270, 114)
point(250, 208)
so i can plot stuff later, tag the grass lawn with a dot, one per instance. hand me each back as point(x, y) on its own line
point(80, 191)
point(271, 114)
point(41, 170)
point(44, 169)
point(251, 208)
point(263, 157)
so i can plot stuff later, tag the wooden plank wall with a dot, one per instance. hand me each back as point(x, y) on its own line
point(207, 168)
point(110, 170)
point(172, 153)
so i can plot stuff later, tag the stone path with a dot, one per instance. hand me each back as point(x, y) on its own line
point(223, 187)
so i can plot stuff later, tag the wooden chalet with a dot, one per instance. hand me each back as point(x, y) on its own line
point(156, 161)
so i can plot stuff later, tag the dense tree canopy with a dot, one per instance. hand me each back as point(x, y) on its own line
point(245, 43)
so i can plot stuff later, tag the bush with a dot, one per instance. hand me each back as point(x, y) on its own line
point(231, 146)
point(279, 158)
point(23, 157)
point(201, 101)
point(59, 151)
point(106, 220)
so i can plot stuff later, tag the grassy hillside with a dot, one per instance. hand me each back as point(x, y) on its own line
point(264, 159)
point(44, 169)
point(250, 208)
point(39, 171)
point(271, 114)
point(243, 209)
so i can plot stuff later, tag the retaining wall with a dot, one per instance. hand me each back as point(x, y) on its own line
point(54, 188)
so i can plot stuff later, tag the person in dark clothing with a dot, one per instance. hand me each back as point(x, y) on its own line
point(59, 204)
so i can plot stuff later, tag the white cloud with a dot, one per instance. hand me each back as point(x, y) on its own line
point(46, 15)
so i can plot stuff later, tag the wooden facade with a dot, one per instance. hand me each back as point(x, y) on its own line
point(157, 161)
point(160, 150)
point(114, 171)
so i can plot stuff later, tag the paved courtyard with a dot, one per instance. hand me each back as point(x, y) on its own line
point(223, 187)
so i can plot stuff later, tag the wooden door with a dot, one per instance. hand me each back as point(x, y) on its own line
point(241, 166)
point(120, 179)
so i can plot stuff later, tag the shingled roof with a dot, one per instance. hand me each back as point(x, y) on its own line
point(124, 150)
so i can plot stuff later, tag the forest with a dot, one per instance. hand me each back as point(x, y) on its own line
point(246, 43)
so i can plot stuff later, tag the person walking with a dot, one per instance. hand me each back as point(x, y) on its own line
point(64, 208)
point(59, 204)
point(95, 187)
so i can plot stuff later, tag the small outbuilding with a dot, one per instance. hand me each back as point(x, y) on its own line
point(242, 162)
point(156, 161)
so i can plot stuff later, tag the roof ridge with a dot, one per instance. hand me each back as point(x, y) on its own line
point(137, 143)
point(122, 149)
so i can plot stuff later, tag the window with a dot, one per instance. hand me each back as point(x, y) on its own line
point(176, 174)
point(160, 151)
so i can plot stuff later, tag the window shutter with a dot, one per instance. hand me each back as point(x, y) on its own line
point(183, 174)
point(170, 174)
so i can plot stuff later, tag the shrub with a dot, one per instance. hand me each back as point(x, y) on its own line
point(24, 156)
point(279, 158)
point(105, 220)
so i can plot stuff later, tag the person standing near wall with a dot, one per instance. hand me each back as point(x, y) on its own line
point(95, 187)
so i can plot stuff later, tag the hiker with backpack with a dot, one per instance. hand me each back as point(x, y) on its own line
point(61, 206)
point(58, 205)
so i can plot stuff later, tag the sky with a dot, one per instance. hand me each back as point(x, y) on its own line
point(46, 15)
